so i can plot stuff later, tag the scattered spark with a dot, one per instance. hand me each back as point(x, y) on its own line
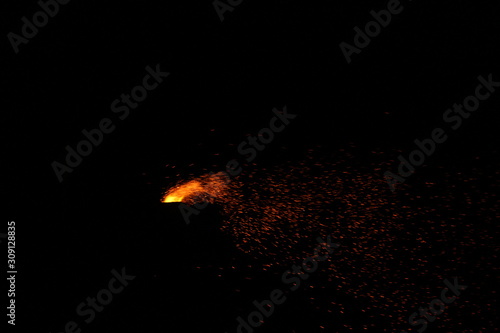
point(391, 244)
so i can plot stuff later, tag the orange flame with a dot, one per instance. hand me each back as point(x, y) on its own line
point(207, 188)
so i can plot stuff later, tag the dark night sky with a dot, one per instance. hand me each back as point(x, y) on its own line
point(225, 78)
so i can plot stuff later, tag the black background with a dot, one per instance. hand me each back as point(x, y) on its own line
point(225, 78)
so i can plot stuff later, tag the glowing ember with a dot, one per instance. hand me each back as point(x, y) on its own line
point(206, 188)
point(178, 193)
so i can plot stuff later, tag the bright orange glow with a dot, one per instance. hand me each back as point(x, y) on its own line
point(177, 194)
point(206, 188)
